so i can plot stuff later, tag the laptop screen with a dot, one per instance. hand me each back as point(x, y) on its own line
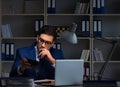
point(69, 72)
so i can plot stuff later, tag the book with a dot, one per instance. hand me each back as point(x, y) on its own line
point(85, 54)
point(78, 8)
point(6, 31)
point(33, 62)
point(98, 56)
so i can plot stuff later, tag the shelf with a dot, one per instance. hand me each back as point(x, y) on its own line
point(19, 38)
point(99, 62)
point(106, 14)
point(68, 14)
point(22, 14)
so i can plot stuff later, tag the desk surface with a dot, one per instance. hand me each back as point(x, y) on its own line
point(91, 84)
point(30, 83)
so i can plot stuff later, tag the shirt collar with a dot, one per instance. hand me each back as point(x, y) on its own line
point(36, 52)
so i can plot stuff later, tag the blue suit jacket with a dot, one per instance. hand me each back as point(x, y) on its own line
point(46, 70)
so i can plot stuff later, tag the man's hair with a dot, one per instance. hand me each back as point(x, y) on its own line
point(49, 30)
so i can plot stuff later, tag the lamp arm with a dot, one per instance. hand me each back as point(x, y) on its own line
point(107, 60)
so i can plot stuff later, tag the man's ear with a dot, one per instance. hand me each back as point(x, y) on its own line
point(52, 44)
point(37, 38)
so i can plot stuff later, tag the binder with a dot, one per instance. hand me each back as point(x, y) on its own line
point(88, 72)
point(41, 23)
point(94, 28)
point(87, 28)
point(7, 51)
point(51, 6)
point(58, 45)
point(3, 54)
point(37, 25)
point(83, 29)
point(12, 51)
point(98, 7)
point(48, 6)
point(99, 31)
point(54, 46)
point(94, 6)
point(53, 9)
point(102, 7)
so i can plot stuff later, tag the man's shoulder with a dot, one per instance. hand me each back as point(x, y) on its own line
point(57, 53)
point(55, 50)
point(27, 47)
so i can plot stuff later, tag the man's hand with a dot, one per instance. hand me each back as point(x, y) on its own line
point(45, 53)
point(24, 65)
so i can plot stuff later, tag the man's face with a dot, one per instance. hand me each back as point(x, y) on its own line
point(45, 41)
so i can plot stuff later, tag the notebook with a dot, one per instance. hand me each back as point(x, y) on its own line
point(69, 72)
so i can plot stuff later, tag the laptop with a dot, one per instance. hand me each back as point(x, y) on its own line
point(69, 72)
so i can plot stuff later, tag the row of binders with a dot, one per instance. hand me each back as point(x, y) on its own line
point(38, 24)
point(81, 7)
point(57, 45)
point(98, 7)
point(97, 28)
point(7, 51)
point(51, 6)
point(85, 31)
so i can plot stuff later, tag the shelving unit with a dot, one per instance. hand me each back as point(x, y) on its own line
point(110, 33)
point(22, 14)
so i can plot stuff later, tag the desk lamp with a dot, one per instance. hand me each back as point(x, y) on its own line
point(69, 35)
point(104, 66)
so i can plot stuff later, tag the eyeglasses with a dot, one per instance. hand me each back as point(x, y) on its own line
point(40, 40)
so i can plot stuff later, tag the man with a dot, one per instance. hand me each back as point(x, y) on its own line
point(43, 52)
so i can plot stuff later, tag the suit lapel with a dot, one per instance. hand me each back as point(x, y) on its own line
point(33, 54)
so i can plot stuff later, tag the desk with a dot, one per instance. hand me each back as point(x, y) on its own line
point(8, 82)
point(105, 83)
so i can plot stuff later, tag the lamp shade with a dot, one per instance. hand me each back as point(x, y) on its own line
point(70, 35)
